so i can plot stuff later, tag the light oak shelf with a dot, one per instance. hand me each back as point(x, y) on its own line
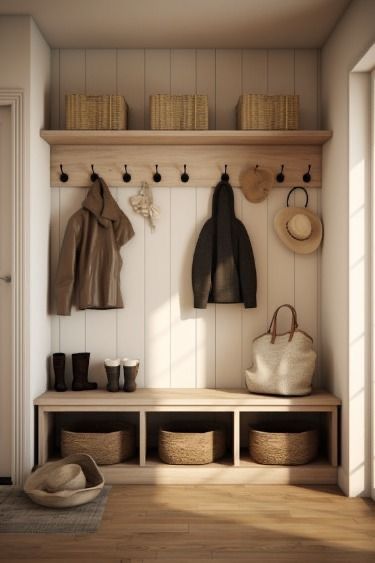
point(236, 467)
point(64, 137)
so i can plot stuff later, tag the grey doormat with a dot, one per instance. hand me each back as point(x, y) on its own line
point(18, 514)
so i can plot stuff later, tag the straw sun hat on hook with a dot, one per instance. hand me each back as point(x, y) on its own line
point(297, 227)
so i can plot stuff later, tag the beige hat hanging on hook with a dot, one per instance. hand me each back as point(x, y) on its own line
point(256, 183)
point(298, 228)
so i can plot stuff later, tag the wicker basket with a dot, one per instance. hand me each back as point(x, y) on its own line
point(291, 444)
point(95, 112)
point(107, 446)
point(187, 112)
point(256, 111)
point(191, 444)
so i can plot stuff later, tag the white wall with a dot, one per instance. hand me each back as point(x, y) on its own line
point(25, 64)
point(178, 346)
point(40, 322)
point(351, 38)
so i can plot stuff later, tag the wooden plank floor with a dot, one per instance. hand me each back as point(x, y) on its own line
point(203, 523)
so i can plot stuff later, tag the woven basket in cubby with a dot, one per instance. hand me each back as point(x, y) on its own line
point(283, 444)
point(191, 444)
point(107, 444)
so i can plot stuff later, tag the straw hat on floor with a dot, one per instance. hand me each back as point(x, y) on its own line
point(69, 482)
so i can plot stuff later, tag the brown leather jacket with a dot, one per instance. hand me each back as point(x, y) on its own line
point(90, 259)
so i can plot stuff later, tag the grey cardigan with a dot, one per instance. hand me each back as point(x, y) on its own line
point(223, 264)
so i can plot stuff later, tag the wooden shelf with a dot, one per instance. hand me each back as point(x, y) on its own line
point(63, 137)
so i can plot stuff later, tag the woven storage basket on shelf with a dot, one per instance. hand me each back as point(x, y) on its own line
point(292, 444)
point(257, 111)
point(191, 444)
point(181, 113)
point(95, 112)
point(107, 445)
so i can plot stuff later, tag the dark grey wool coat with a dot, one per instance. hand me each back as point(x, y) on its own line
point(223, 265)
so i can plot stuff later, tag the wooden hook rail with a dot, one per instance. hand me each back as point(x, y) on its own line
point(205, 160)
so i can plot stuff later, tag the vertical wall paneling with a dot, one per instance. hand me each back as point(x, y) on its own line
point(254, 71)
point(280, 79)
point(101, 71)
point(72, 76)
point(183, 336)
point(254, 321)
point(178, 345)
point(306, 77)
point(157, 296)
point(229, 333)
point(54, 99)
point(54, 256)
point(157, 76)
point(280, 265)
point(228, 86)
point(306, 287)
point(206, 81)
point(73, 327)
point(101, 328)
point(205, 318)
point(131, 84)
point(131, 319)
point(183, 76)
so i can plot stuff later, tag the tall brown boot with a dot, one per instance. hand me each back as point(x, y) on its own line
point(80, 364)
point(58, 361)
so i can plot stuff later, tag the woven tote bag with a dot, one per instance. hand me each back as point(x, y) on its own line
point(283, 364)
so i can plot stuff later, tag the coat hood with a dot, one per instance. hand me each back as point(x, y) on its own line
point(223, 202)
point(100, 203)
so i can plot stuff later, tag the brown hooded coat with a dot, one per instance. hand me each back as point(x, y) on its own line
point(90, 260)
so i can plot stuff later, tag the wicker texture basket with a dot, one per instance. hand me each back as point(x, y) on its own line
point(191, 444)
point(257, 111)
point(291, 444)
point(107, 446)
point(95, 112)
point(181, 113)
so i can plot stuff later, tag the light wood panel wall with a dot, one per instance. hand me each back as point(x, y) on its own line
point(222, 74)
point(179, 346)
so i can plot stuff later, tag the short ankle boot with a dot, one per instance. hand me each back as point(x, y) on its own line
point(58, 361)
point(80, 364)
point(112, 368)
point(130, 373)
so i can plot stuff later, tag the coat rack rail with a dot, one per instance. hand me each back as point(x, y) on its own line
point(205, 164)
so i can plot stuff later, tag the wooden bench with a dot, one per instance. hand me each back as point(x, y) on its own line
point(238, 468)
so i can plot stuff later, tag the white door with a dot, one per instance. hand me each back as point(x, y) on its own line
point(5, 295)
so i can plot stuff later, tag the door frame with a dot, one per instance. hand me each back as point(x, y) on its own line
point(21, 409)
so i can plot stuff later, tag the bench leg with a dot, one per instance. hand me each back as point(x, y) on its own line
point(332, 437)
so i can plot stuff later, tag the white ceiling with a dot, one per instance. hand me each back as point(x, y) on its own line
point(181, 23)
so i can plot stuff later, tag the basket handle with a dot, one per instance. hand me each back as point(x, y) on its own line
point(273, 325)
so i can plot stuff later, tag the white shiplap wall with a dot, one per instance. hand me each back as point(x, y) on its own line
point(178, 345)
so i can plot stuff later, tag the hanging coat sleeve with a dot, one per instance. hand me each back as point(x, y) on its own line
point(66, 270)
point(123, 230)
point(202, 267)
point(247, 270)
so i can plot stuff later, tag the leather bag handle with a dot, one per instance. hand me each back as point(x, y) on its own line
point(273, 325)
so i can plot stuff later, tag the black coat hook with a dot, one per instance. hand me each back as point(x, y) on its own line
point(157, 176)
point(63, 176)
point(94, 176)
point(184, 175)
point(307, 176)
point(280, 176)
point(225, 175)
point(126, 176)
